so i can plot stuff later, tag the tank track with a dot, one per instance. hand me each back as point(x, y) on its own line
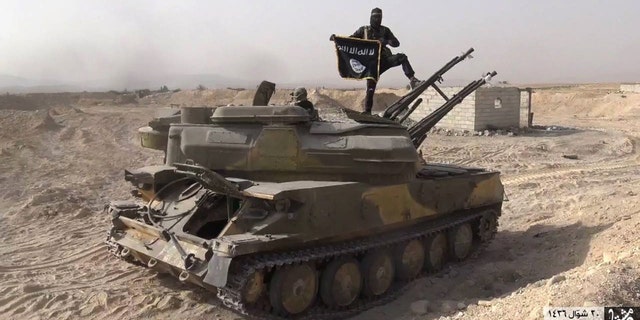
point(242, 269)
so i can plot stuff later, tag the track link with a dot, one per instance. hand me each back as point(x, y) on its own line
point(242, 269)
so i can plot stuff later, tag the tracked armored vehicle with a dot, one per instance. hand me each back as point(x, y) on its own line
point(282, 216)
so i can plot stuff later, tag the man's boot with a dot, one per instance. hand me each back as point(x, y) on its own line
point(414, 82)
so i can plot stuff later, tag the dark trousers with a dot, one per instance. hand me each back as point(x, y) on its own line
point(387, 63)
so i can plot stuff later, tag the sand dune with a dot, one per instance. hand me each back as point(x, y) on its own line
point(568, 235)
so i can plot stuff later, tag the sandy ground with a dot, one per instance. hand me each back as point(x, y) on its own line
point(568, 235)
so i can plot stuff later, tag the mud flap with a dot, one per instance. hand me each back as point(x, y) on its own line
point(217, 271)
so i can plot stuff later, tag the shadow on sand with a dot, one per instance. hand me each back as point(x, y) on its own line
point(512, 261)
point(538, 131)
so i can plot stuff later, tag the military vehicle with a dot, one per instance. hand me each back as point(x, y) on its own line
point(282, 216)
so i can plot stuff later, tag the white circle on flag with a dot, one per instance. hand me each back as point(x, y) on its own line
point(356, 66)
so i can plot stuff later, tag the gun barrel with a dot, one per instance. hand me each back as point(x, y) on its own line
point(403, 103)
point(411, 110)
point(418, 132)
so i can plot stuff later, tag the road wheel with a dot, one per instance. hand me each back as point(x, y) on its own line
point(436, 252)
point(341, 282)
point(460, 241)
point(487, 226)
point(378, 271)
point(254, 289)
point(293, 289)
point(409, 259)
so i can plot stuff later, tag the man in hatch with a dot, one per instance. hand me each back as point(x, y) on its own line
point(376, 31)
point(299, 98)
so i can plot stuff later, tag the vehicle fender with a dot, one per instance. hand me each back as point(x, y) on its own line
point(217, 271)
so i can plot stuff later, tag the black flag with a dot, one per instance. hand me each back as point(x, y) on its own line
point(357, 58)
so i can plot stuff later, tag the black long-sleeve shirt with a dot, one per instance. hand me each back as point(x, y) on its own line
point(382, 34)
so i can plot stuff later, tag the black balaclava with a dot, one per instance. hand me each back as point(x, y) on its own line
point(376, 18)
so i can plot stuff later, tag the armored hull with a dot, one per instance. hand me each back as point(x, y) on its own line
point(283, 216)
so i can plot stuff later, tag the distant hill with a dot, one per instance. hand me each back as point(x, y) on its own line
point(20, 83)
point(14, 84)
point(173, 81)
point(10, 81)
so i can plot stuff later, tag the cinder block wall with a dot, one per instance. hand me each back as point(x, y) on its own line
point(477, 111)
point(524, 109)
point(462, 117)
point(630, 87)
point(489, 115)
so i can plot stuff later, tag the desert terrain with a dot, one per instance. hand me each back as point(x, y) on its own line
point(568, 235)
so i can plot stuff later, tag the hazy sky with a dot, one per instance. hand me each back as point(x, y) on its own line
point(287, 41)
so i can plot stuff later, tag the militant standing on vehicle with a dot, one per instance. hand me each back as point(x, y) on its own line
point(376, 31)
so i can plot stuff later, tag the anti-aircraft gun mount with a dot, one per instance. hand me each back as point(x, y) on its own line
point(399, 111)
point(283, 216)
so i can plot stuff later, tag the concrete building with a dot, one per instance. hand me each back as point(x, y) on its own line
point(486, 108)
point(630, 87)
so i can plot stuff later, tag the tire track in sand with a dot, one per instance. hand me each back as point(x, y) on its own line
point(632, 161)
point(56, 263)
point(20, 300)
point(555, 172)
